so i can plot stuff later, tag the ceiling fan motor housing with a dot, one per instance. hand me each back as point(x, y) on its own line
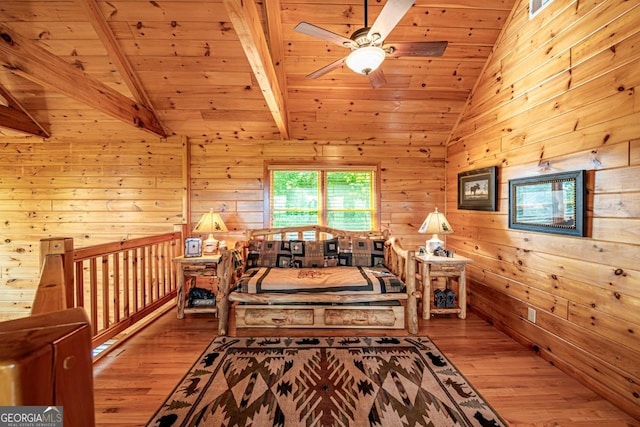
point(361, 37)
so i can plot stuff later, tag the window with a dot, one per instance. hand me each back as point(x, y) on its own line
point(343, 197)
point(536, 6)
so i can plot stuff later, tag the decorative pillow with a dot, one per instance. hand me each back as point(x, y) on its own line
point(269, 253)
point(361, 252)
point(321, 253)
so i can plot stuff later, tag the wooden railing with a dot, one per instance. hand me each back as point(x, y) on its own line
point(118, 284)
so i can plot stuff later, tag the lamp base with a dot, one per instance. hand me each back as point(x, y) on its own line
point(432, 244)
point(210, 245)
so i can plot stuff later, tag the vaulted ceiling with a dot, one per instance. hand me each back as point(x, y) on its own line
point(225, 69)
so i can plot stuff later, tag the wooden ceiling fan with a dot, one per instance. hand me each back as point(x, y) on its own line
point(368, 49)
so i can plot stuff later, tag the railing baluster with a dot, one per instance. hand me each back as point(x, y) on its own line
point(116, 287)
point(152, 274)
point(143, 276)
point(106, 305)
point(163, 267)
point(156, 272)
point(79, 284)
point(126, 279)
point(136, 289)
point(175, 251)
point(93, 286)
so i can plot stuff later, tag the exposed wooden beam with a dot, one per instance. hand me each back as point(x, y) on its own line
point(25, 58)
point(276, 45)
point(14, 116)
point(246, 23)
point(118, 58)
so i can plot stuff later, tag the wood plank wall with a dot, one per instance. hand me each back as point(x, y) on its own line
point(106, 191)
point(228, 176)
point(563, 89)
point(93, 191)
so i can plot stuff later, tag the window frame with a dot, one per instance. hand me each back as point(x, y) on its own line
point(322, 168)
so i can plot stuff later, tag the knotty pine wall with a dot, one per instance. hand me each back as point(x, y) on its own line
point(105, 191)
point(563, 89)
point(228, 176)
point(93, 191)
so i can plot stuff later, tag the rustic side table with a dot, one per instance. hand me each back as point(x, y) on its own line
point(192, 268)
point(430, 269)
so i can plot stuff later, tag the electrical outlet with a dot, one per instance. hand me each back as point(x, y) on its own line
point(531, 315)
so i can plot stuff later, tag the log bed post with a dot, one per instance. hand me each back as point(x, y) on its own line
point(401, 262)
point(225, 277)
point(412, 300)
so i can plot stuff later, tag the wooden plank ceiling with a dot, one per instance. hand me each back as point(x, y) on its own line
point(225, 69)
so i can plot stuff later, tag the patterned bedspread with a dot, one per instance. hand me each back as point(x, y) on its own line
point(346, 280)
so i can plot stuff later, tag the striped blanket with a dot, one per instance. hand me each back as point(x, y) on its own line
point(345, 280)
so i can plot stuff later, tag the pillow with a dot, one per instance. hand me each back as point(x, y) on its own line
point(308, 254)
point(361, 252)
point(269, 253)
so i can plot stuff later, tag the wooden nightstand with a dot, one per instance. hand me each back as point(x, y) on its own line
point(440, 272)
point(192, 268)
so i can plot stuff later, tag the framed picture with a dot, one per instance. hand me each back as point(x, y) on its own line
point(477, 189)
point(192, 247)
point(550, 203)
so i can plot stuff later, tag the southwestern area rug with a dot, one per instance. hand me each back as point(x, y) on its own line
point(350, 381)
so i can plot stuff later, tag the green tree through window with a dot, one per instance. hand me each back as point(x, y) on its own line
point(342, 198)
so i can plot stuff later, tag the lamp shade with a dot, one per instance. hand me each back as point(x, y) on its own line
point(366, 59)
point(436, 223)
point(210, 223)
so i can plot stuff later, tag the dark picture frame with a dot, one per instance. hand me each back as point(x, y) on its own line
point(477, 189)
point(553, 203)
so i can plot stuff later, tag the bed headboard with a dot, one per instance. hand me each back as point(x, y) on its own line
point(311, 232)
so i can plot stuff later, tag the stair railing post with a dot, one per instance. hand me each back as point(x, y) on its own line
point(61, 247)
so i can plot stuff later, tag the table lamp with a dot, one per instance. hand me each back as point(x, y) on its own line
point(210, 223)
point(435, 224)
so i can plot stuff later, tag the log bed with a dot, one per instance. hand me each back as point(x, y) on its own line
point(305, 277)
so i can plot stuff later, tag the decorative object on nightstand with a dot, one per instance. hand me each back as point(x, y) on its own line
point(435, 224)
point(210, 222)
point(192, 247)
point(444, 298)
point(439, 299)
point(199, 297)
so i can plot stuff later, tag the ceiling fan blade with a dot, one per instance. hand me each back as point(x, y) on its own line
point(377, 79)
point(415, 49)
point(391, 14)
point(326, 69)
point(321, 33)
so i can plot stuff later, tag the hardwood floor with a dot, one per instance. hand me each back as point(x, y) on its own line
point(132, 381)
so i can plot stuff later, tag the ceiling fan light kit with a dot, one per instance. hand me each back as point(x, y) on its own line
point(368, 50)
point(365, 59)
